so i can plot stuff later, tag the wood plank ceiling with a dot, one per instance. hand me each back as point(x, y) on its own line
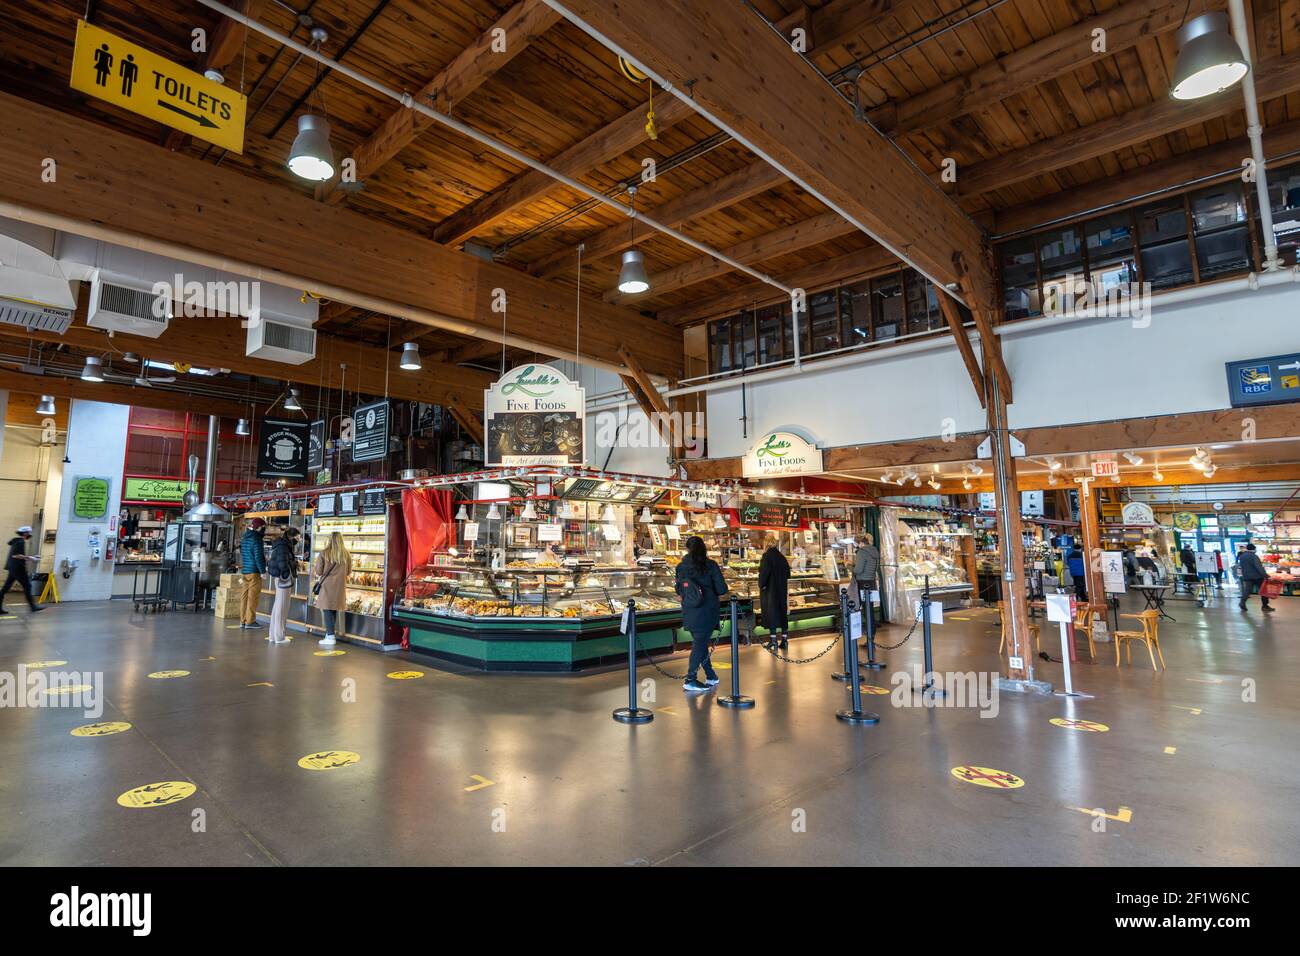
point(1012, 90)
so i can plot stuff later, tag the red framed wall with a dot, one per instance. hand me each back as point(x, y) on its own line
point(159, 441)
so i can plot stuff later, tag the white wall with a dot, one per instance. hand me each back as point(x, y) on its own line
point(24, 469)
point(96, 448)
point(1063, 372)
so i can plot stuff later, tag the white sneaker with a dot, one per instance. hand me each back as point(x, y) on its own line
point(283, 640)
point(327, 641)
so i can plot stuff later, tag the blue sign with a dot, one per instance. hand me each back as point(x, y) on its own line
point(1264, 381)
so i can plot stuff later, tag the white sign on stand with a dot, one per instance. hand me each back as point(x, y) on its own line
point(855, 626)
point(875, 598)
point(471, 530)
point(1205, 563)
point(1112, 572)
point(936, 612)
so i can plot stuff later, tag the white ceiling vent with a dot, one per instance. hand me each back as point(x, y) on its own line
point(35, 294)
point(34, 316)
point(278, 338)
point(123, 305)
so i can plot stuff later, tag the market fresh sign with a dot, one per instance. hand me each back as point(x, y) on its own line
point(782, 453)
point(535, 415)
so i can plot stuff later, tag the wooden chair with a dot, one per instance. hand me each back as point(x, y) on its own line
point(1083, 621)
point(1033, 630)
point(1149, 635)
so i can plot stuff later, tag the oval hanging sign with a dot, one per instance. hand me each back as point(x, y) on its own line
point(782, 453)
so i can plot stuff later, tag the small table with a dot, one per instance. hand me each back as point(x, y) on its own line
point(1155, 597)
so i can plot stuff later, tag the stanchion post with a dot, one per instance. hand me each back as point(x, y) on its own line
point(736, 700)
point(845, 674)
point(857, 715)
point(632, 714)
point(928, 686)
point(869, 611)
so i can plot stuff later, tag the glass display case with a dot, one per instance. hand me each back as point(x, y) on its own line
point(933, 551)
point(367, 587)
point(808, 591)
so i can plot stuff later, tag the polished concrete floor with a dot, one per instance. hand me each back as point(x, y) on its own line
point(500, 769)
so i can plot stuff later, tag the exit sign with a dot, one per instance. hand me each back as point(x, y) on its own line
point(1105, 469)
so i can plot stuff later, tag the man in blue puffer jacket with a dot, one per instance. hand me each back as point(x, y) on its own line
point(252, 565)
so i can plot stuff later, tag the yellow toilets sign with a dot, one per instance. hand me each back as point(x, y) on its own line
point(129, 76)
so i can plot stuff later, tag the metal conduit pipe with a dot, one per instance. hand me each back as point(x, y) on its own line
point(1255, 132)
point(523, 158)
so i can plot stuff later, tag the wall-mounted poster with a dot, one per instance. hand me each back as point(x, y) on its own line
point(282, 449)
point(90, 498)
point(763, 515)
point(534, 415)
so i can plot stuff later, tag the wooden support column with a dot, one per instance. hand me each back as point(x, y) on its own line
point(638, 382)
point(1091, 534)
point(1015, 594)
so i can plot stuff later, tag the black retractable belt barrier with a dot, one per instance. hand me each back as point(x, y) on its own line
point(857, 715)
point(736, 699)
point(632, 714)
point(928, 687)
point(869, 611)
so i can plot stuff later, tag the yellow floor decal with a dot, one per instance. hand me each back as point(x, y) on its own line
point(104, 728)
point(988, 777)
point(668, 710)
point(1123, 816)
point(156, 794)
point(37, 665)
point(1194, 711)
point(261, 683)
point(1089, 725)
point(1200, 680)
point(329, 653)
point(482, 782)
point(1171, 750)
point(872, 689)
point(67, 691)
point(406, 675)
point(329, 760)
point(166, 675)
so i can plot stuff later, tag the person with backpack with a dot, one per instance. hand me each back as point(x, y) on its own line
point(1253, 576)
point(701, 590)
point(329, 592)
point(283, 568)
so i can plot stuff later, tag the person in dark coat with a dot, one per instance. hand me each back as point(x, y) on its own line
point(774, 594)
point(1252, 576)
point(701, 589)
point(16, 569)
point(1075, 563)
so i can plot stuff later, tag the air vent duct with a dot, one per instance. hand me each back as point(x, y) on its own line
point(279, 338)
point(123, 305)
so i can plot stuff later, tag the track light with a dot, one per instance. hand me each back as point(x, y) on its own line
point(1210, 470)
point(976, 470)
point(46, 407)
point(291, 403)
point(410, 357)
point(94, 369)
point(887, 477)
point(1156, 476)
point(1052, 479)
point(1053, 463)
point(462, 514)
point(1200, 460)
point(1209, 59)
point(632, 278)
point(241, 427)
point(1133, 459)
point(916, 482)
point(933, 484)
point(311, 156)
point(965, 483)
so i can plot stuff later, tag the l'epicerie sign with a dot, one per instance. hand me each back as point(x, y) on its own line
point(782, 453)
point(534, 415)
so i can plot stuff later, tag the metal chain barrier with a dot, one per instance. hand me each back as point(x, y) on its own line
point(641, 647)
point(894, 647)
point(800, 660)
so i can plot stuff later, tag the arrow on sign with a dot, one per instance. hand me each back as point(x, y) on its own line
point(1294, 366)
point(197, 117)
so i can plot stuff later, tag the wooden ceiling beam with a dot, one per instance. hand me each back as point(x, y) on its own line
point(730, 189)
point(1174, 478)
point(469, 423)
point(497, 46)
point(791, 238)
point(1020, 70)
point(860, 263)
point(949, 309)
point(581, 158)
point(1276, 77)
point(221, 218)
point(744, 76)
point(839, 21)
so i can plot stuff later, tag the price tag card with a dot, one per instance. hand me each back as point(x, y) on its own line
point(674, 532)
point(612, 532)
point(622, 624)
point(855, 626)
point(471, 530)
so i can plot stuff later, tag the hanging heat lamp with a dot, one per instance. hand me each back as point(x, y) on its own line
point(646, 516)
point(493, 512)
point(632, 278)
point(608, 516)
point(529, 513)
point(719, 522)
point(680, 520)
point(462, 514)
point(1209, 59)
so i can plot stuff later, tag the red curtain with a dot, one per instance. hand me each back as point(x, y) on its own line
point(429, 524)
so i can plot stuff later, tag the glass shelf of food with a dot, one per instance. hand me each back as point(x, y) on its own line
point(370, 582)
point(813, 599)
point(935, 556)
point(562, 618)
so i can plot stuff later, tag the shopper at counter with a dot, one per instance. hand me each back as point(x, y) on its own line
point(330, 573)
point(701, 589)
point(866, 564)
point(283, 568)
point(774, 594)
point(252, 565)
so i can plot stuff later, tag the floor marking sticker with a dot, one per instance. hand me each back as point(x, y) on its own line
point(872, 689)
point(329, 760)
point(102, 729)
point(1195, 711)
point(1089, 725)
point(988, 777)
point(37, 665)
point(482, 782)
point(1200, 680)
point(771, 682)
point(204, 659)
point(406, 675)
point(721, 666)
point(668, 710)
point(165, 675)
point(67, 691)
point(329, 653)
point(156, 794)
point(261, 683)
point(234, 627)
point(1171, 750)
point(1123, 816)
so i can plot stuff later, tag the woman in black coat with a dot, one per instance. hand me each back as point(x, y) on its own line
point(774, 593)
point(701, 589)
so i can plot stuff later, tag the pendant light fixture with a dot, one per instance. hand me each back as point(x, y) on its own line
point(411, 357)
point(94, 369)
point(461, 513)
point(608, 516)
point(1209, 59)
point(719, 522)
point(632, 278)
point(241, 427)
point(646, 516)
point(493, 512)
point(568, 512)
point(291, 403)
point(680, 520)
point(46, 407)
point(1157, 476)
point(311, 156)
point(529, 513)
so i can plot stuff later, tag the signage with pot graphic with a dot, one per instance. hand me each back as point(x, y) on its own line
point(282, 449)
point(534, 415)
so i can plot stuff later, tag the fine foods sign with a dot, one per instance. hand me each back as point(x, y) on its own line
point(282, 449)
point(534, 415)
point(782, 453)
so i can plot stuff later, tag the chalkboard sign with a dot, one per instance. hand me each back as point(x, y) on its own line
point(756, 514)
point(327, 505)
point(372, 502)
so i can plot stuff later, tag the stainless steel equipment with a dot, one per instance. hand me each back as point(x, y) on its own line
point(201, 544)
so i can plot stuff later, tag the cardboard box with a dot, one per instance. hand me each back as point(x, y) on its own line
point(232, 581)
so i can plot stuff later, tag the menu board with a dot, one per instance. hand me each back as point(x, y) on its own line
point(348, 501)
point(762, 515)
point(370, 432)
point(372, 502)
point(327, 505)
